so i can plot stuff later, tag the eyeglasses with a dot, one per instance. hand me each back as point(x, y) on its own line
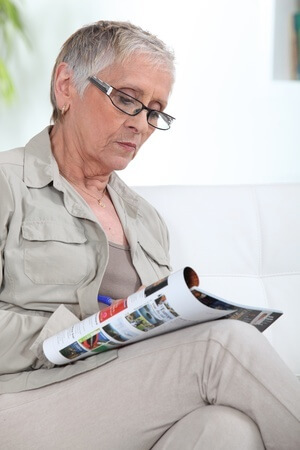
point(131, 106)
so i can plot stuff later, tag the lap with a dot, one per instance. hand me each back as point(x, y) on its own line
point(129, 402)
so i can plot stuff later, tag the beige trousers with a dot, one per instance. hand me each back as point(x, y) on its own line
point(213, 386)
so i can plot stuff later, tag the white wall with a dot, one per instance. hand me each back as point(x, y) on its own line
point(235, 122)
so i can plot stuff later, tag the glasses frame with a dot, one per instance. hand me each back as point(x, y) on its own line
point(107, 90)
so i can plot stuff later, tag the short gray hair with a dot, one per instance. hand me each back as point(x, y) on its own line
point(94, 47)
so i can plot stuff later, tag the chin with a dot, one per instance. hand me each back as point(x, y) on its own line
point(122, 164)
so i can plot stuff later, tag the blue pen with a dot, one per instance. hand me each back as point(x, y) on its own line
point(104, 299)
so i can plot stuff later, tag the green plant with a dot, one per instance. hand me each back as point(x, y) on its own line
point(11, 25)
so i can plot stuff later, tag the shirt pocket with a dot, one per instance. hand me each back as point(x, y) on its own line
point(54, 253)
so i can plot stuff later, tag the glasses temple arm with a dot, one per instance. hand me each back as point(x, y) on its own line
point(104, 87)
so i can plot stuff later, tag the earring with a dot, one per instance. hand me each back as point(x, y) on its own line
point(64, 109)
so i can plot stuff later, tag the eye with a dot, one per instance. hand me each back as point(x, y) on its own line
point(155, 114)
point(124, 99)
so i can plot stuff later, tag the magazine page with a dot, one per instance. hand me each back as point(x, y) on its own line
point(159, 308)
point(261, 318)
point(169, 304)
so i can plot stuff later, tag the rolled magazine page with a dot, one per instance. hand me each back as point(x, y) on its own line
point(169, 304)
point(261, 318)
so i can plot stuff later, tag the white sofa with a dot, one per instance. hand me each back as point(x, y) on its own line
point(244, 243)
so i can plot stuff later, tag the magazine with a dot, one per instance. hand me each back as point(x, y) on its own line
point(169, 304)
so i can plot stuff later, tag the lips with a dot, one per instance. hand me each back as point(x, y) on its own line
point(127, 145)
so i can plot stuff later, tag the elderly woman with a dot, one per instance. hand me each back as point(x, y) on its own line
point(71, 229)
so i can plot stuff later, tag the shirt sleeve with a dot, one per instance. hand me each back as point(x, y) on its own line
point(22, 332)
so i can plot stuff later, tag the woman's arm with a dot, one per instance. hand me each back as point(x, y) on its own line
point(22, 331)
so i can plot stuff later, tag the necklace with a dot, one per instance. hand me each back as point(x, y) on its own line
point(99, 200)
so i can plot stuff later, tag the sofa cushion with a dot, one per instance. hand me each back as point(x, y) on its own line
point(244, 243)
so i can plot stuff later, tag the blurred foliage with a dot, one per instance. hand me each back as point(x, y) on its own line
point(11, 26)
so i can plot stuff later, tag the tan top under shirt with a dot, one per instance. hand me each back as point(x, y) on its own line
point(120, 278)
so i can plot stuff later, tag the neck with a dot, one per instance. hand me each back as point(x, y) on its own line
point(72, 164)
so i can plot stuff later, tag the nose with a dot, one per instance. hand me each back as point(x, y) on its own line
point(138, 123)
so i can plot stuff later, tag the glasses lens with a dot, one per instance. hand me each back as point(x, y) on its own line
point(125, 103)
point(159, 120)
point(129, 105)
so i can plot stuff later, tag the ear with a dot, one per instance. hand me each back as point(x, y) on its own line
point(62, 85)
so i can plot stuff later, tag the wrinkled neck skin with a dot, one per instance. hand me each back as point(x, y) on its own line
point(72, 164)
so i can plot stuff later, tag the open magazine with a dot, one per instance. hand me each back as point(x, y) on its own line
point(169, 304)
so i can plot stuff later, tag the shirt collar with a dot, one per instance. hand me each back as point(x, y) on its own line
point(121, 189)
point(40, 169)
point(39, 164)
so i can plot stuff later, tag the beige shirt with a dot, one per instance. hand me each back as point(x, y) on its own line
point(53, 257)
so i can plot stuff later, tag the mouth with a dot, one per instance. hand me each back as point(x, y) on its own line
point(130, 146)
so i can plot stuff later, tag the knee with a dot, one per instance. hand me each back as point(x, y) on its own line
point(228, 331)
point(212, 427)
